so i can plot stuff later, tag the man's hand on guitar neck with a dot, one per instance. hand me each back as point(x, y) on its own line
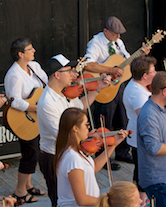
point(146, 50)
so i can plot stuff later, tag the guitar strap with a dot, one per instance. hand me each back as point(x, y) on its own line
point(44, 85)
point(117, 46)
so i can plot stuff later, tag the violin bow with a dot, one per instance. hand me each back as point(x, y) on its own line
point(102, 121)
point(3, 202)
point(153, 201)
point(79, 68)
point(92, 126)
point(87, 100)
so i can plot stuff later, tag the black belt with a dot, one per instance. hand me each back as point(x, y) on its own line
point(46, 153)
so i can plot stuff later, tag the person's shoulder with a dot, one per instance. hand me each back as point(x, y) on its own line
point(12, 71)
point(145, 110)
point(38, 69)
point(120, 41)
point(131, 86)
point(49, 100)
point(71, 155)
point(34, 64)
point(45, 97)
point(97, 38)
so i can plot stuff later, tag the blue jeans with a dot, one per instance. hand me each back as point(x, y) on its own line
point(158, 191)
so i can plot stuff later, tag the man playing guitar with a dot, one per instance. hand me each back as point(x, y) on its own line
point(99, 48)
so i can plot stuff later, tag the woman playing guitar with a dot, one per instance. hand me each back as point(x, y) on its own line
point(19, 81)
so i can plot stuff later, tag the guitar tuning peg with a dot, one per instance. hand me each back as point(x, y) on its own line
point(147, 41)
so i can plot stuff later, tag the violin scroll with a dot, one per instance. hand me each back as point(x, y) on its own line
point(6, 166)
point(82, 62)
point(129, 132)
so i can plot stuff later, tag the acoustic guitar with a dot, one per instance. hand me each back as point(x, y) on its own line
point(23, 124)
point(108, 94)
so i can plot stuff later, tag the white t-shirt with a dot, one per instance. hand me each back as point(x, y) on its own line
point(19, 84)
point(49, 109)
point(98, 50)
point(134, 97)
point(72, 160)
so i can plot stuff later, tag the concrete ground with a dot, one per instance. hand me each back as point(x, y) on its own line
point(8, 180)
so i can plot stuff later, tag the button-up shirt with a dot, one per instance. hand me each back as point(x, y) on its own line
point(98, 49)
point(151, 134)
point(19, 84)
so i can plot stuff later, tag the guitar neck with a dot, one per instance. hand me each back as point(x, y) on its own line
point(135, 55)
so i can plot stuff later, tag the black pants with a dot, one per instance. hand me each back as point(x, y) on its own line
point(46, 166)
point(29, 151)
point(135, 175)
point(115, 118)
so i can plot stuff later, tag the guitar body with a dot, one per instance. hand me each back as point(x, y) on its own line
point(23, 124)
point(108, 94)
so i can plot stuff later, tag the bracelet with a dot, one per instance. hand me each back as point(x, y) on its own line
point(97, 91)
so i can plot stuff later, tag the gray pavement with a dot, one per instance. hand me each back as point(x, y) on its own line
point(8, 180)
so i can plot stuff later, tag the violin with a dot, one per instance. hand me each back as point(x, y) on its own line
point(6, 166)
point(94, 143)
point(76, 88)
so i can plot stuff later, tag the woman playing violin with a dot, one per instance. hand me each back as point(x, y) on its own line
point(77, 185)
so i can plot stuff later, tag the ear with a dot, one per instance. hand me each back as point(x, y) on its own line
point(21, 54)
point(105, 30)
point(57, 75)
point(75, 129)
point(164, 92)
point(144, 76)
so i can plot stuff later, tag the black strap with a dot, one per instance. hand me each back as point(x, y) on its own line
point(117, 46)
point(44, 85)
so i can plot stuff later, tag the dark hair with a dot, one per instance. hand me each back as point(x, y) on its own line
point(141, 65)
point(18, 46)
point(66, 137)
point(159, 82)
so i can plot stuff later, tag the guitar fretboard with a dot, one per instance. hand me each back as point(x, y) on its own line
point(135, 55)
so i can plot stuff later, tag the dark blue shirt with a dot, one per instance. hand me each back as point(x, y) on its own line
point(151, 133)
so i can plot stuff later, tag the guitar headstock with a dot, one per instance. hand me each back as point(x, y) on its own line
point(82, 62)
point(158, 36)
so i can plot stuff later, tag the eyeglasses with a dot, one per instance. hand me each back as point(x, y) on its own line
point(162, 88)
point(87, 124)
point(29, 49)
point(69, 70)
point(152, 72)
